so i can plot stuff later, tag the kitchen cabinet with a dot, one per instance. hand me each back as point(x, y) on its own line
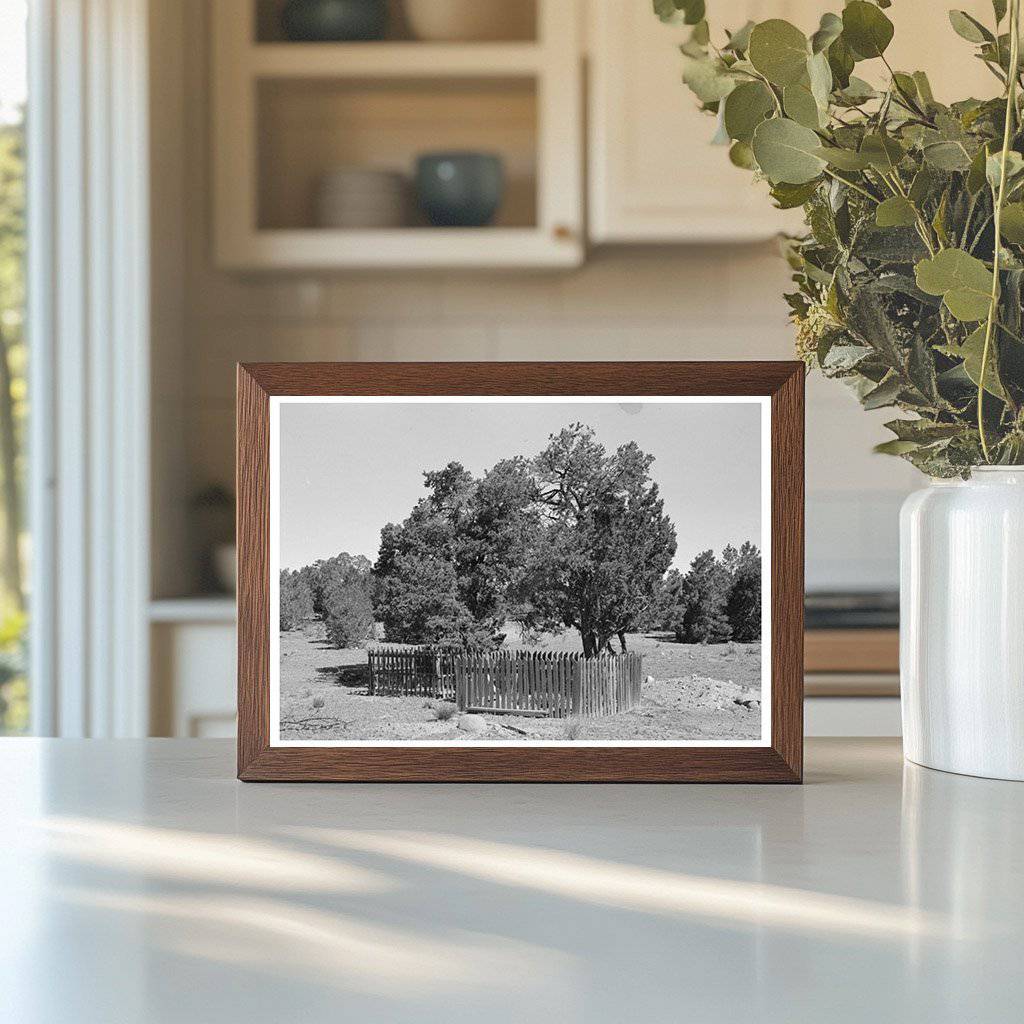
point(287, 114)
point(654, 177)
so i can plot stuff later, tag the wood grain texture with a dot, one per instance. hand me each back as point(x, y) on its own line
point(253, 533)
point(779, 762)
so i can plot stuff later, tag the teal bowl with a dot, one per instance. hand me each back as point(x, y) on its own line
point(334, 21)
point(460, 190)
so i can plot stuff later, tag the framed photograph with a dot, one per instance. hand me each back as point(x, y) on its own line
point(560, 572)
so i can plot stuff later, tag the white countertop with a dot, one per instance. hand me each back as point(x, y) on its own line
point(140, 882)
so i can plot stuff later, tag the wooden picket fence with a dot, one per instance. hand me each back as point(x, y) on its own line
point(412, 671)
point(551, 684)
point(548, 683)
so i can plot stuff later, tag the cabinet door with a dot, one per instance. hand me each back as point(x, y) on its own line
point(654, 176)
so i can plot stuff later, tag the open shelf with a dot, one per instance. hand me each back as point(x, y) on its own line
point(520, 24)
point(286, 114)
point(390, 60)
point(309, 127)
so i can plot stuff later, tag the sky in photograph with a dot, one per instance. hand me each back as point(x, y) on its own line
point(348, 469)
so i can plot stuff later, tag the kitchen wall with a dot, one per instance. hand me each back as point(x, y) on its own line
point(652, 303)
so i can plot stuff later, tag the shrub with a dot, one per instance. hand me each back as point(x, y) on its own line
point(347, 612)
point(445, 711)
point(296, 600)
point(701, 613)
point(573, 729)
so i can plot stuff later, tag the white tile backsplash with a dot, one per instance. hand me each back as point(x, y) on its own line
point(715, 303)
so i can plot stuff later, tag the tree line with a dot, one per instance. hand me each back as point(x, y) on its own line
point(575, 537)
point(718, 599)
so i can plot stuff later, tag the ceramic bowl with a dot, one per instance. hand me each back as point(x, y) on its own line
point(460, 189)
point(359, 197)
point(333, 21)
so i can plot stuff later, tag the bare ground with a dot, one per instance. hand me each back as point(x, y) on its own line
point(700, 692)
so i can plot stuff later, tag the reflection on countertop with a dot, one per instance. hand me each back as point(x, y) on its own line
point(144, 883)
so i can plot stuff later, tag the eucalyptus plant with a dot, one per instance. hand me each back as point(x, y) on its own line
point(910, 278)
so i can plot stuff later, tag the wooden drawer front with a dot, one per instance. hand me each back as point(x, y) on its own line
point(852, 650)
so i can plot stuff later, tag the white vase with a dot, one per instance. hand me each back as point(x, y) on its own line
point(962, 624)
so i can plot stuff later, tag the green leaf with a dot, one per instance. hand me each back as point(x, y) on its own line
point(739, 41)
point(969, 28)
point(857, 91)
point(779, 51)
point(924, 87)
point(971, 351)
point(976, 173)
point(1012, 224)
point(947, 156)
point(829, 30)
point(923, 431)
point(801, 106)
point(895, 212)
point(689, 12)
point(890, 245)
point(741, 155)
point(883, 152)
point(885, 394)
point(999, 9)
point(788, 197)
point(721, 136)
point(666, 10)
point(701, 34)
point(787, 151)
point(693, 10)
point(939, 220)
point(819, 74)
point(840, 61)
point(844, 159)
point(745, 108)
point(963, 281)
point(922, 185)
point(866, 29)
point(896, 447)
point(707, 78)
point(993, 167)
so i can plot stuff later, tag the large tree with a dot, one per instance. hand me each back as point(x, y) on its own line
point(743, 605)
point(701, 616)
point(718, 599)
point(597, 566)
point(452, 572)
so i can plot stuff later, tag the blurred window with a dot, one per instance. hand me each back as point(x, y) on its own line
point(14, 539)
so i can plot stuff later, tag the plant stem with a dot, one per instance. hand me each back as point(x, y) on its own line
point(908, 100)
point(853, 185)
point(1011, 109)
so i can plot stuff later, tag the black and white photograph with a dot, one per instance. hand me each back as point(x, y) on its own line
point(531, 570)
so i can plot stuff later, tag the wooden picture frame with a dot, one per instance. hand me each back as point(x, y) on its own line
point(780, 759)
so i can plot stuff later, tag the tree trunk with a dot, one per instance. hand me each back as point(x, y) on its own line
point(10, 491)
point(622, 640)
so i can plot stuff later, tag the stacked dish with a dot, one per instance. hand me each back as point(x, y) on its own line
point(362, 197)
point(470, 20)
